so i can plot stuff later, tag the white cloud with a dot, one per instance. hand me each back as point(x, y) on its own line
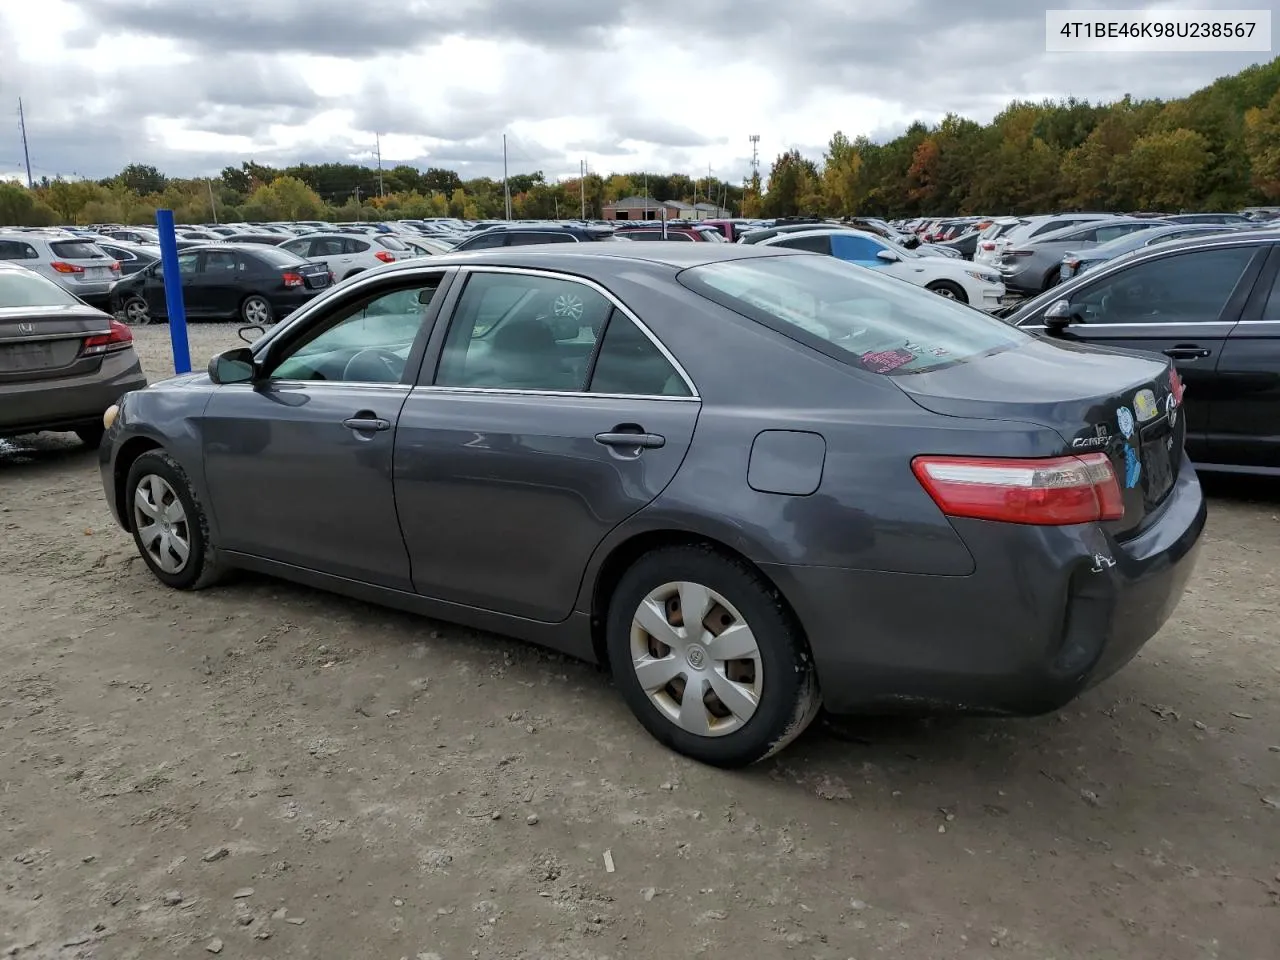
point(626, 84)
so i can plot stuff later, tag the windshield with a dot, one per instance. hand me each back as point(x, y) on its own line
point(23, 288)
point(878, 323)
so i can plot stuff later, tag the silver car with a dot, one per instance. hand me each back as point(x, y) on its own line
point(77, 265)
point(1035, 263)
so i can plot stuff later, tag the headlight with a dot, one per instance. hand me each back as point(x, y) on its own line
point(984, 277)
point(109, 417)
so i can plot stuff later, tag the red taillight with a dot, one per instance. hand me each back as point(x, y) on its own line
point(1050, 492)
point(332, 278)
point(293, 279)
point(1072, 263)
point(63, 267)
point(987, 245)
point(115, 266)
point(385, 257)
point(120, 338)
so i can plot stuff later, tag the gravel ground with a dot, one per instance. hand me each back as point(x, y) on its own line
point(267, 771)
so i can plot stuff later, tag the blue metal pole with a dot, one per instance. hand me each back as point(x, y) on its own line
point(173, 292)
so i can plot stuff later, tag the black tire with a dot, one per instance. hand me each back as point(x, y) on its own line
point(1052, 279)
point(90, 434)
point(249, 307)
point(201, 568)
point(789, 697)
point(135, 311)
point(945, 288)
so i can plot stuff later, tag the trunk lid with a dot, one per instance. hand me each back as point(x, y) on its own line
point(38, 343)
point(1127, 405)
point(315, 275)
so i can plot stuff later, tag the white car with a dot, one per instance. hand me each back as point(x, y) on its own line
point(346, 254)
point(960, 280)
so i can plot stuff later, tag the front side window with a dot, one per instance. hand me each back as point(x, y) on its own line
point(1191, 287)
point(220, 263)
point(870, 320)
point(364, 342)
point(522, 332)
point(187, 263)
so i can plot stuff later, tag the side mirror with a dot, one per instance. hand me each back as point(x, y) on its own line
point(233, 366)
point(888, 256)
point(1062, 314)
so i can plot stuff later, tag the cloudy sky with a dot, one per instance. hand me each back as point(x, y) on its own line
point(193, 85)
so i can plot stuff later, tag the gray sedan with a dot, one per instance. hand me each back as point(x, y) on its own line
point(1035, 264)
point(749, 481)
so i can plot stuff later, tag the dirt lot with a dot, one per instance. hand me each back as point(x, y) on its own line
point(274, 772)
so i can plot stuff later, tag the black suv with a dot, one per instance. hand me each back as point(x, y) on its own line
point(518, 235)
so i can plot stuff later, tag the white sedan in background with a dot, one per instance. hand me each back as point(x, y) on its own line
point(346, 254)
point(960, 280)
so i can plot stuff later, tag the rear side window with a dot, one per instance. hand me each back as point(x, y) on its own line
point(355, 246)
point(629, 363)
point(812, 244)
point(23, 288)
point(869, 320)
point(17, 250)
point(77, 250)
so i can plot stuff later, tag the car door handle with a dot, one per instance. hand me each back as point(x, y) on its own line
point(624, 438)
point(1187, 351)
point(366, 424)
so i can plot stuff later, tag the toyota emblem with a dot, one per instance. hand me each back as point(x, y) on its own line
point(26, 328)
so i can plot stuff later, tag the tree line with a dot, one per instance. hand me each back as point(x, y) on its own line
point(1217, 149)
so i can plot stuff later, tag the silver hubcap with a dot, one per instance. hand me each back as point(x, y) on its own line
point(161, 523)
point(944, 292)
point(135, 311)
point(697, 659)
point(257, 311)
point(568, 305)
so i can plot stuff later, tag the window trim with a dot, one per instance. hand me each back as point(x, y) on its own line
point(464, 273)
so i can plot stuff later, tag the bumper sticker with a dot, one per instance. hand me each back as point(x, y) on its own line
point(1125, 419)
point(1132, 468)
point(1145, 406)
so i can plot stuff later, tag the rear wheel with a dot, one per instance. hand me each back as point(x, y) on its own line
point(709, 658)
point(945, 288)
point(256, 310)
point(136, 312)
point(169, 524)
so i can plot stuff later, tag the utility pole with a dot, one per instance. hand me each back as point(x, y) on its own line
point(755, 154)
point(212, 206)
point(26, 155)
point(582, 185)
point(359, 209)
point(506, 188)
point(377, 142)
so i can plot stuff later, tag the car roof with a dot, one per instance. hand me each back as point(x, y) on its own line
point(569, 256)
point(819, 232)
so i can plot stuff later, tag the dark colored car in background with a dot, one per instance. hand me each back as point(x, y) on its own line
point(1212, 305)
point(251, 282)
point(62, 362)
point(679, 234)
point(746, 479)
point(519, 235)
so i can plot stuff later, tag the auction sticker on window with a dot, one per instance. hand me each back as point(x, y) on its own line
point(1157, 31)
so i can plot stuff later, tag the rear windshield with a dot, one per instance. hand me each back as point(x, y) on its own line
point(77, 250)
point(22, 288)
point(877, 323)
point(391, 243)
point(276, 257)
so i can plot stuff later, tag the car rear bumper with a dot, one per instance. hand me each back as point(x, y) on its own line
point(1049, 612)
point(69, 402)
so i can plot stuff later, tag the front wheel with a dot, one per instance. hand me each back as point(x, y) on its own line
point(169, 524)
point(256, 310)
point(945, 288)
point(709, 658)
